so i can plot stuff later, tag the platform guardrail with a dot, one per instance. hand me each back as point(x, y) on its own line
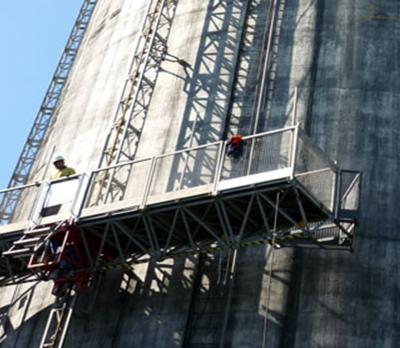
point(283, 154)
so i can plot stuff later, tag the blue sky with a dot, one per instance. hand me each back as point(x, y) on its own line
point(32, 35)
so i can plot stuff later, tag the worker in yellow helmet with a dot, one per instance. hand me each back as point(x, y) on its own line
point(62, 169)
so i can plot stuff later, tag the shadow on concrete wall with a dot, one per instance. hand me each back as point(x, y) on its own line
point(210, 85)
point(179, 303)
point(279, 94)
point(248, 74)
point(209, 90)
point(18, 328)
point(146, 307)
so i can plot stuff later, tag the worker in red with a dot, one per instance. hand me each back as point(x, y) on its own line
point(234, 147)
point(62, 169)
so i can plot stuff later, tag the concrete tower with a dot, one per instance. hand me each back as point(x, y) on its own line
point(228, 67)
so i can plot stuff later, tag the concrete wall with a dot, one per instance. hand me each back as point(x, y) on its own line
point(94, 87)
point(351, 300)
point(343, 57)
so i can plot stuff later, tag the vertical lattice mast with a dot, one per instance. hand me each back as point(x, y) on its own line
point(129, 119)
point(46, 112)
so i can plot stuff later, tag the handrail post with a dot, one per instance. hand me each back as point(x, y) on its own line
point(150, 175)
point(81, 195)
point(252, 146)
point(335, 195)
point(295, 141)
point(75, 199)
point(219, 166)
point(187, 153)
point(39, 201)
point(109, 185)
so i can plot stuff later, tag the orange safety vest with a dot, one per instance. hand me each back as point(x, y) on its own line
point(236, 139)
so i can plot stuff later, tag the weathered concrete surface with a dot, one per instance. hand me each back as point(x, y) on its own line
point(343, 57)
point(22, 315)
point(147, 308)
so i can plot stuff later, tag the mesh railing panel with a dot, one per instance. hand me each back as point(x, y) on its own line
point(261, 154)
point(308, 157)
point(185, 170)
point(349, 191)
point(321, 185)
point(315, 172)
point(133, 190)
point(195, 170)
point(271, 152)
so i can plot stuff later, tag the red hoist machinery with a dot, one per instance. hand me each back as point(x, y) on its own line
point(57, 250)
point(61, 257)
point(59, 253)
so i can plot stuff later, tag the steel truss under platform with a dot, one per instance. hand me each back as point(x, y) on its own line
point(281, 190)
point(282, 213)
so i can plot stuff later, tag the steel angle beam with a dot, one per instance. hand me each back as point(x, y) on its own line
point(232, 220)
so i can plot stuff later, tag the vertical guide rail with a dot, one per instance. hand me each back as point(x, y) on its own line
point(46, 112)
point(260, 92)
point(266, 66)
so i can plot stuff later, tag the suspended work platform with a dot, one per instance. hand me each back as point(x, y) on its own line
point(281, 189)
